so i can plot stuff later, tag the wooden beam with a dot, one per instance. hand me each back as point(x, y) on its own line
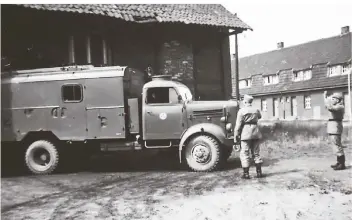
point(105, 52)
point(237, 69)
point(71, 50)
point(89, 51)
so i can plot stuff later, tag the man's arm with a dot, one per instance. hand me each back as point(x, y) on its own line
point(238, 126)
point(259, 114)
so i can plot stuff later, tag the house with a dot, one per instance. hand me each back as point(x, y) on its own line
point(289, 82)
point(189, 42)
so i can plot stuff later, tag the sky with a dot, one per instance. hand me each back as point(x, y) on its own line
point(290, 21)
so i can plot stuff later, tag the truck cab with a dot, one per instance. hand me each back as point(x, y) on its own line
point(203, 130)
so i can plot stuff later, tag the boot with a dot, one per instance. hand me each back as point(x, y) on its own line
point(245, 173)
point(337, 163)
point(258, 167)
point(341, 163)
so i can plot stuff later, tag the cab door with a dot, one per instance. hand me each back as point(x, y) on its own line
point(163, 114)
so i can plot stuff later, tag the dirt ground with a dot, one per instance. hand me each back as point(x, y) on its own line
point(298, 184)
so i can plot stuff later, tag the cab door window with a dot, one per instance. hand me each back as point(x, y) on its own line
point(162, 95)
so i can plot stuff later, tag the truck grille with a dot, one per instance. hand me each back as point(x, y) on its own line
point(213, 112)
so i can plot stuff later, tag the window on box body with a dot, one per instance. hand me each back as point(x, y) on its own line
point(72, 93)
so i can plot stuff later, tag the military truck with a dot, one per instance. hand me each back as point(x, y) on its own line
point(47, 111)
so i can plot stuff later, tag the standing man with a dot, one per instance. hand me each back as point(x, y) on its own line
point(247, 132)
point(336, 108)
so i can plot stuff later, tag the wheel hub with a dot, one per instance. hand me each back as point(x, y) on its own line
point(201, 153)
point(41, 157)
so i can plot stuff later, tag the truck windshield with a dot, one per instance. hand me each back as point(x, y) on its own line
point(185, 93)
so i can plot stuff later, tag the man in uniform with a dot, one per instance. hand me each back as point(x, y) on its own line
point(336, 108)
point(247, 132)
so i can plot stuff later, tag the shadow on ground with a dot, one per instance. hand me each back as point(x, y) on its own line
point(121, 162)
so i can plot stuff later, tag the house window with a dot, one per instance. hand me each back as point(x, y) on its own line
point(293, 106)
point(72, 93)
point(245, 83)
point(272, 79)
point(346, 68)
point(275, 107)
point(264, 106)
point(162, 95)
point(337, 70)
point(307, 102)
point(302, 75)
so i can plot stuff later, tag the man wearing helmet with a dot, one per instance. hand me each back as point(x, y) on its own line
point(247, 132)
point(334, 103)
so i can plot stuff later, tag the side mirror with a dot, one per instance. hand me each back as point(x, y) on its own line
point(179, 97)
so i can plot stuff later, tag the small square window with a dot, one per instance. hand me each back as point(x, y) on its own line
point(72, 93)
point(264, 106)
point(346, 68)
point(307, 102)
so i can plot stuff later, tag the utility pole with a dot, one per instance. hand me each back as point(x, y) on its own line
point(349, 95)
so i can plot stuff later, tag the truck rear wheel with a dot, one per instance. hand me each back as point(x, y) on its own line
point(202, 154)
point(42, 157)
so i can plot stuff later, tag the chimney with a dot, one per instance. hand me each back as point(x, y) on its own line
point(345, 30)
point(280, 45)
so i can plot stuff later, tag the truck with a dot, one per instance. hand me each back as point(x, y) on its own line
point(47, 112)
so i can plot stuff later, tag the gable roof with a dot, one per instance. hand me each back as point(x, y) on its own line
point(333, 50)
point(200, 14)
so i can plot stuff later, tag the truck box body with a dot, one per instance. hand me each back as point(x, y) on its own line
point(74, 105)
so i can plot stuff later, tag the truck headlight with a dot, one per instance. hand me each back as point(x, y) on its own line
point(229, 127)
point(223, 119)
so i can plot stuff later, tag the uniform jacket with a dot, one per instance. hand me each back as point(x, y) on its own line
point(246, 123)
point(336, 113)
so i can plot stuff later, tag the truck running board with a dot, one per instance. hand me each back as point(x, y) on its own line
point(146, 146)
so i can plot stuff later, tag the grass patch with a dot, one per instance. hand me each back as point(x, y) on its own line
point(298, 137)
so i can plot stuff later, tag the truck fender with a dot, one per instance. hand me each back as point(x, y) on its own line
point(203, 128)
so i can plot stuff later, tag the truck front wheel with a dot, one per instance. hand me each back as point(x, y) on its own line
point(202, 154)
point(42, 157)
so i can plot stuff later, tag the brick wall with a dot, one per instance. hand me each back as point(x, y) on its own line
point(176, 58)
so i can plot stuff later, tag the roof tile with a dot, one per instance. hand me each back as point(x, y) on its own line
point(206, 14)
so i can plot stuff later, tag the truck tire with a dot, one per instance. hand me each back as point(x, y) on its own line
point(42, 157)
point(202, 154)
